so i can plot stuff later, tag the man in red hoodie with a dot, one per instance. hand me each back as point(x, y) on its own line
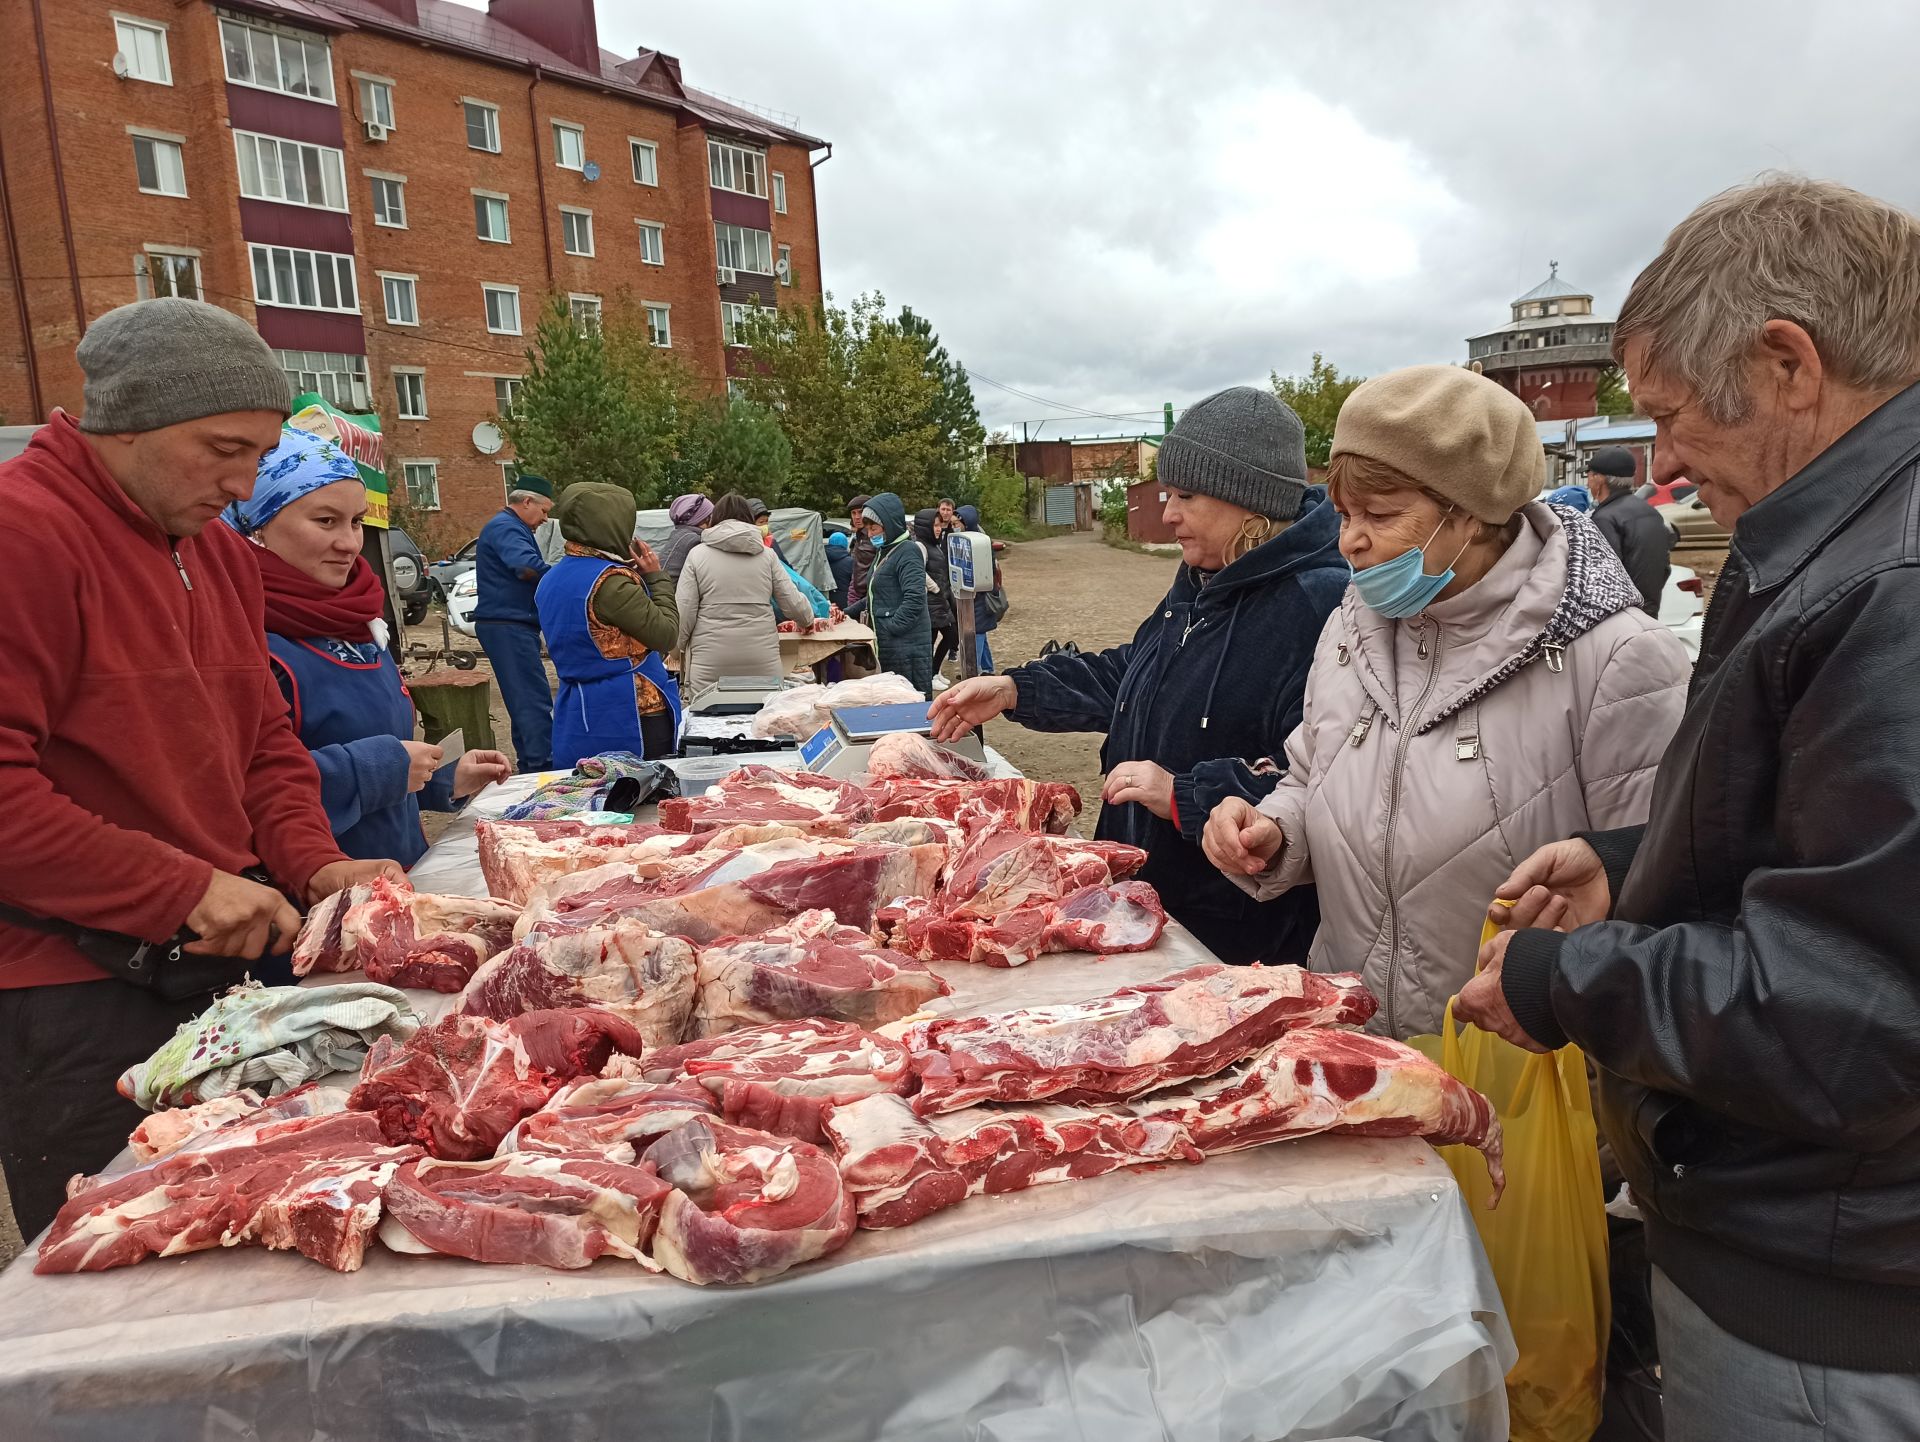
point(146, 760)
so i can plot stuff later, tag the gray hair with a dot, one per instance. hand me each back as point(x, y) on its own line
point(514, 498)
point(1843, 266)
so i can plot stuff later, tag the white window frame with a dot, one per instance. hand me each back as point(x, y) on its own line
point(579, 133)
point(506, 218)
point(578, 212)
point(158, 138)
point(509, 476)
point(654, 230)
point(779, 193)
point(732, 253)
point(732, 312)
point(157, 28)
point(432, 467)
point(314, 260)
point(780, 253)
point(353, 395)
point(412, 284)
point(399, 183)
point(143, 269)
point(514, 384)
point(364, 85)
point(487, 288)
point(661, 335)
point(333, 163)
point(418, 374)
point(735, 167)
point(576, 299)
point(279, 35)
point(636, 147)
point(493, 124)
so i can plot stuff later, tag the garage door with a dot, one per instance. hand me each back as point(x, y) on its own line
point(1060, 505)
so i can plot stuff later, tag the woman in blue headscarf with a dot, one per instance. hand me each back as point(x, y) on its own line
point(327, 647)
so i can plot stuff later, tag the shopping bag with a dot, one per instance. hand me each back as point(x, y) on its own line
point(1547, 1240)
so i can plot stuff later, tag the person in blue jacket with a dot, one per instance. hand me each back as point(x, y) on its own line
point(840, 562)
point(607, 610)
point(508, 566)
point(326, 645)
point(1210, 686)
point(896, 601)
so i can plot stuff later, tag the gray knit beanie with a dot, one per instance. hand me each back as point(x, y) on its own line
point(1242, 446)
point(156, 363)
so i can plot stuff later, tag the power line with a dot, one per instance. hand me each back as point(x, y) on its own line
point(1073, 411)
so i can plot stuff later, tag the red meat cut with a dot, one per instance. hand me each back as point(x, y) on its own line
point(623, 967)
point(459, 1085)
point(1126, 916)
point(756, 794)
point(518, 858)
point(1137, 1039)
point(996, 871)
point(552, 1211)
point(401, 937)
point(811, 966)
point(905, 755)
point(614, 1117)
point(745, 1205)
point(1013, 804)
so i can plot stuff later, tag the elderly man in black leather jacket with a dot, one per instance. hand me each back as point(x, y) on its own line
point(1744, 970)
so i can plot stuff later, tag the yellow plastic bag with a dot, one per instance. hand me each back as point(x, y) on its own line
point(1547, 1240)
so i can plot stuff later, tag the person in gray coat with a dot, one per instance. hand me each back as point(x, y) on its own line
point(896, 600)
point(1639, 535)
point(727, 627)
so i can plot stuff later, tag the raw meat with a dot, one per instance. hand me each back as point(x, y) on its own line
point(756, 794)
point(401, 937)
point(1126, 916)
point(800, 711)
point(623, 967)
point(905, 755)
point(613, 1117)
point(462, 1083)
point(517, 856)
point(1016, 804)
point(310, 1183)
point(996, 871)
point(812, 966)
point(554, 1211)
point(168, 1131)
point(745, 1205)
point(1137, 1039)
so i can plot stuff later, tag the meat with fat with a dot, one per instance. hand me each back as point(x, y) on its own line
point(168, 1131)
point(400, 937)
point(756, 794)
point(623, 967)
point(811, 966)
point(1108, 920)
point(614, 1117)
point(906, 755)
point(1014, 803)
point(996, 871)
point(520, 857)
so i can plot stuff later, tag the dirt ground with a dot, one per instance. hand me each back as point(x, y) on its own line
point(1068, 588)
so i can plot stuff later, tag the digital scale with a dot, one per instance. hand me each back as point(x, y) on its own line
point(735, 695)
point(839, 749)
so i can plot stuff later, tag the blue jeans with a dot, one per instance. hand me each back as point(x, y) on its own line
point(514, 652)
point(983, 653)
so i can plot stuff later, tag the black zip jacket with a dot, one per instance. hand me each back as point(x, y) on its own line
point(1753, 1006)
point(1642, 539)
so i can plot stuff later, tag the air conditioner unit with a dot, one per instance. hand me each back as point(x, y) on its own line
point(727, 275)
point(376, 132)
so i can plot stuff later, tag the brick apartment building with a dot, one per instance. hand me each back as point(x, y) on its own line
point(391, 190)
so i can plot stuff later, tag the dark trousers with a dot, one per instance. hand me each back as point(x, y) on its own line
point(62, 1048)
point(513, 650)
point(946, 642)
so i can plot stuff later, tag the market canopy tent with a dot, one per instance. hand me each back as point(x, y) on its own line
point(797, 530)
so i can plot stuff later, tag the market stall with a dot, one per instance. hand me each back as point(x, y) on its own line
point(1326, 1288)
point(805, 649)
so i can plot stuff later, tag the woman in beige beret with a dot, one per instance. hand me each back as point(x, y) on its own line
point(1488, 684)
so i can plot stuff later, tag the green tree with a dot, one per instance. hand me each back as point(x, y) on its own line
point(955, 416)
point(1316, 398)
point(734, 445)
point(1001, 495)
point(1610, 393)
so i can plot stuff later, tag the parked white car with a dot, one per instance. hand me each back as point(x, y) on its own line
point(1681, 608)
point(461, 601)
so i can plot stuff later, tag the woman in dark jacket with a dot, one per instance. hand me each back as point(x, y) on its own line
point(896, 599)
point(689, 514)
point(983, 618)
point(941, 619)
point(1211, 684)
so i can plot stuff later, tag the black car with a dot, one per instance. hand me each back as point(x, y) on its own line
point(410, 577)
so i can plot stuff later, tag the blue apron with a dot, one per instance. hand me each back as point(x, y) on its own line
point(597, 709)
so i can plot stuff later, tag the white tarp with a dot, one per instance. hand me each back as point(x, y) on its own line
point(795, 528)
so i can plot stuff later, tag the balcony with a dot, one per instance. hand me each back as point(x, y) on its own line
point(1587, 353)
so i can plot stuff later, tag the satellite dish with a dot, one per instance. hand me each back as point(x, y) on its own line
point(487, 438)
point(590, 170)
point(121, 65)
point(782, 267)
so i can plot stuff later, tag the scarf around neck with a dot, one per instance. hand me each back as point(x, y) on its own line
point(299, 607)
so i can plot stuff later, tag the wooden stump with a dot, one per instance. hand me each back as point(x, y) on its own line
point(450, 700)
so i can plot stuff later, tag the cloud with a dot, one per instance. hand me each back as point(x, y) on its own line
point(1118, 204)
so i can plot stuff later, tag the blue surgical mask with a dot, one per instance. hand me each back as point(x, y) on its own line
point(1401, 587)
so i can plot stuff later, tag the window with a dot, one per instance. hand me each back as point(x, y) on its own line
point(569, 146)
point(586, 312)
point(410, 392)
point(490, 217)
point(734, 167)
point(341, 379)
point(653, 243)
point(779, 193)
point(646, 162)
point(276, 60)
point(483, 125)
point(145, 45)
point(423, 484)
point(733, 317)
point(291, 172)
point(576, 230)
point(389, 201)
point(509, 476)
point(304, 279)
point(376, 100)
point(741, 249)
point(506, 394)
point(401, 299)
point(158, 272)
point(158, 165)
point(659, 326)
point(503, 308)
point(785, 267)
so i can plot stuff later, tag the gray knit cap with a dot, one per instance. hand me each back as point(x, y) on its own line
point(1242, 446)
point(156, 363)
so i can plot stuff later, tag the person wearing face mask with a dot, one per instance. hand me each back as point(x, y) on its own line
point(896, 599)
point(326, 644)
point(1210, 685)
point(1488, 684)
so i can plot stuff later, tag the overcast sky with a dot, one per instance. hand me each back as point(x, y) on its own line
point(1110, 205)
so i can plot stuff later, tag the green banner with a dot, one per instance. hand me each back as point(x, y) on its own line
point(357, 435)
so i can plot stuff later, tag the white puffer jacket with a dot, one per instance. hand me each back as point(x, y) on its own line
point(1438, 752)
